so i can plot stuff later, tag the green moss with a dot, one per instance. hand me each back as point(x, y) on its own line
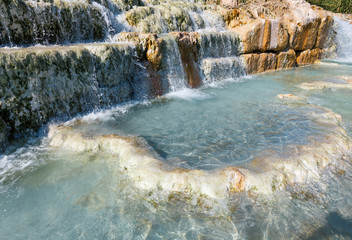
point(339, 6)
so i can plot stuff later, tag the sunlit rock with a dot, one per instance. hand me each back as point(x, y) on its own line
point(257, 63)
point(309, 56)
point(286, 59)
point(263, 35)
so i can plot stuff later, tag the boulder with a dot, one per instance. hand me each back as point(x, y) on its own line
point(286, 59)
point(257, 63)
point(309, 56)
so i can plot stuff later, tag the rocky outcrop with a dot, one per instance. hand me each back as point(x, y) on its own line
point(41, 83)
point(263, 35)
point(309, 56)
point(30, 22)
point(187, 43)
point(166, 17)
point(286, 59)
point(257, 63)
point(289, 29)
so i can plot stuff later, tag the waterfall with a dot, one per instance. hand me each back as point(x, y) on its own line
point(344, 40)
point(215, 44)
point(173, 72)
point(218, 56)
point(217, 69)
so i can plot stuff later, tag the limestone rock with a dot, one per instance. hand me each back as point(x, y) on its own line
point(309, 56)
point(187, 43)
point(257, 63)
point(29, 22)
point(148, 46)
point(229, 3)
point(286, 59)
point(304, 36)
point(263, 35)
point(235, 18)
point(40, 83)
point(162, 18)
point(325, 29)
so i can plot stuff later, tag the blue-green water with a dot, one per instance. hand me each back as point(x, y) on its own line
point(48, 193)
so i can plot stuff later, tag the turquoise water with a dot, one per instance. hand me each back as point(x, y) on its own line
point(48, 193)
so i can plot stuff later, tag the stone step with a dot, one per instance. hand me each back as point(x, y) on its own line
point(41, 83)
point(30, 22)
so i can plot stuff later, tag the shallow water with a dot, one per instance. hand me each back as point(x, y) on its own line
point(50, 193)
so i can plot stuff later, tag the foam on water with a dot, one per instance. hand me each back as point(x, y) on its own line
point(188, 94)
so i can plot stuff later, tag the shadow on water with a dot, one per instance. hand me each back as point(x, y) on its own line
point(336, 225)
point(156, 147)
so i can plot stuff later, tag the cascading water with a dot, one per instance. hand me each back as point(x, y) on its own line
point(173, 73)
point(236, 160)
point(218, 56)
point(344, 40)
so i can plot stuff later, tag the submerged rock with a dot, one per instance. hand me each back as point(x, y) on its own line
point(147, 172)
point(319, 85)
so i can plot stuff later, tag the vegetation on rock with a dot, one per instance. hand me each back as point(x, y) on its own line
point(339, 6)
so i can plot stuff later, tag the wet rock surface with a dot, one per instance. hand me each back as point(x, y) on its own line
point(268, 34)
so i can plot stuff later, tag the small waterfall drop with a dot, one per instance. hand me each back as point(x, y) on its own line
point(344, 40)
point(173, 72)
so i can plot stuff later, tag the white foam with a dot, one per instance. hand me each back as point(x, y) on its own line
point(188, 94)
point(344, 41)
point(16, 164)
point(108, 114)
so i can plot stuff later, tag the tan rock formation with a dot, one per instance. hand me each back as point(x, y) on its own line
point(257, 63)
point(309, 56)
point(323, 33)
point(236, 17)
point(286, 59)
point(187, 43)
point(263, 35)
